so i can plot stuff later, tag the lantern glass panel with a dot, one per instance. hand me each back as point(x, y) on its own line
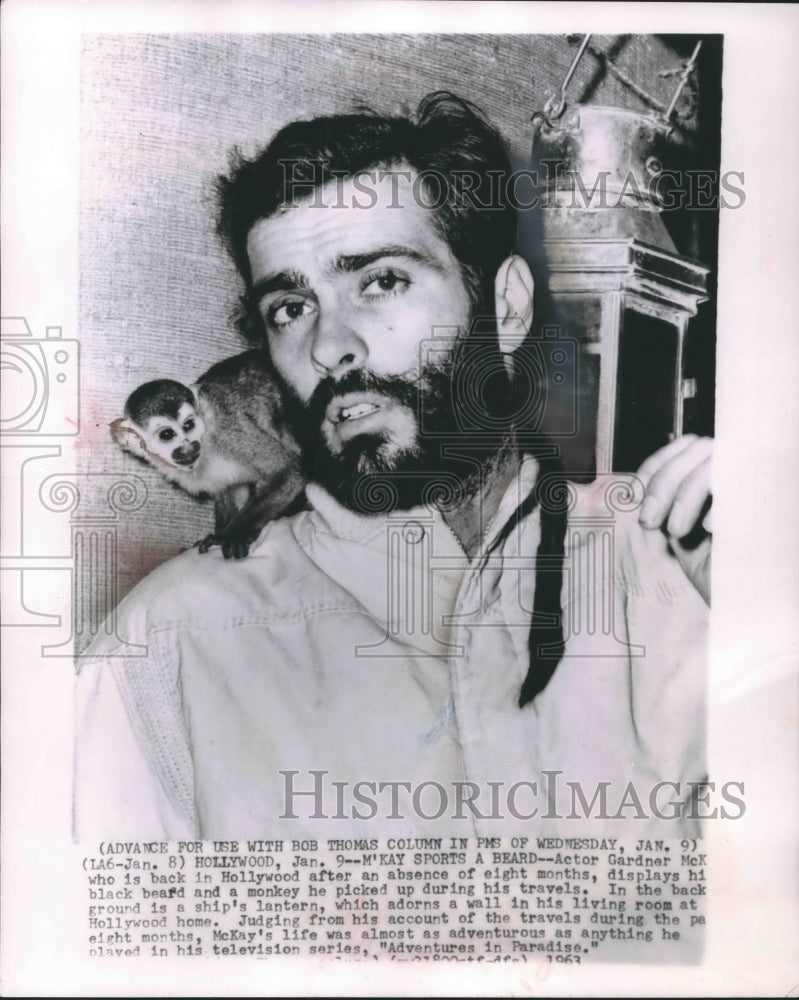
point(646, 389)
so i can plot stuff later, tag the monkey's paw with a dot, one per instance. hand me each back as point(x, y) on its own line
point(234, 542)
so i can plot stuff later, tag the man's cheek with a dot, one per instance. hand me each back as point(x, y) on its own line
point(301, 379)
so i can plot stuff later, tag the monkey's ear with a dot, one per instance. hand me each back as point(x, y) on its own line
point(200, 403)
point(127, 436)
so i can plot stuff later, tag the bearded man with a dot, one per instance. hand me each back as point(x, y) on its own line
point(424, 647)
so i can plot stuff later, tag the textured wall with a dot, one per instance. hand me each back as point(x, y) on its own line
point(159, 116)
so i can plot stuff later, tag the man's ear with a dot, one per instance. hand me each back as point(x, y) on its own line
point(128, 437)
point(513, 296)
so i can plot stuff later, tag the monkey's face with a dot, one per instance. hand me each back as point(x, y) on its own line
point(176, 442)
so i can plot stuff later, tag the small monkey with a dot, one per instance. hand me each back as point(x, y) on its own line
point(224, 437)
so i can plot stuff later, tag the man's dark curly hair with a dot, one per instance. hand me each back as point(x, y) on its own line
point(460, 156)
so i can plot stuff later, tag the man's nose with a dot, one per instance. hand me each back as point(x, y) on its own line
point(337, 347)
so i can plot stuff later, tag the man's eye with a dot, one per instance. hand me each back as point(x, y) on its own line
point(385, 282)
point(189, 425)
point(285, 313)
point(166, 434)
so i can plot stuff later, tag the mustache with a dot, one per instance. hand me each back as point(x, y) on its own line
point(403, 391)
point(427, 396)
point(304, 418)
point(396, 387)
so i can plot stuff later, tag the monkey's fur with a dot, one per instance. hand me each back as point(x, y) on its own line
point(224, 437)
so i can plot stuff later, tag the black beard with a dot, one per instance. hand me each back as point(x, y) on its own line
point(455, 444)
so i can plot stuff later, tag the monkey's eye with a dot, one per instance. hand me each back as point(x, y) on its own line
point(189, 425)
point(166, 434)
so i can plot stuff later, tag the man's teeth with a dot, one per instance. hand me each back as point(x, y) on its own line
point(359, 410)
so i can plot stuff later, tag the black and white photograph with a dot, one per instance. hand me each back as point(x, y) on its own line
point(399, 437)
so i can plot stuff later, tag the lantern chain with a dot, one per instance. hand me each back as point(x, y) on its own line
point(556, 104)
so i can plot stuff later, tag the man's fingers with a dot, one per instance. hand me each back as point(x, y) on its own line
point(684, 468)
point(689, 501)
point(663, 455)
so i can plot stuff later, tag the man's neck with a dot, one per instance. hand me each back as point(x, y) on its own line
point(470, 519)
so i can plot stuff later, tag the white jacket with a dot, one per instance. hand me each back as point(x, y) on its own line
point(369, 649)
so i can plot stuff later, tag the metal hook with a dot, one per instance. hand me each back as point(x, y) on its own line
point(683, 80)
point(555, 106)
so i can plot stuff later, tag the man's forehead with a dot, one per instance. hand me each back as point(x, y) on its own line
point(383, 205)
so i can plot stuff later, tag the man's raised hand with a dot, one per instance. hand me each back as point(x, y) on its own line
point(678, 502)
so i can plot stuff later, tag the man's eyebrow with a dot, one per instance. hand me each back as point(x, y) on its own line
point(287, 281)
point(355, 262)
point(282, 281)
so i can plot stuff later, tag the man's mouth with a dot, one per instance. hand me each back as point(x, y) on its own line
point(359, 410)
point(346, 408)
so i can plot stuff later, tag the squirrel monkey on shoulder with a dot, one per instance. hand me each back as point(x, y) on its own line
point(223, 437)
